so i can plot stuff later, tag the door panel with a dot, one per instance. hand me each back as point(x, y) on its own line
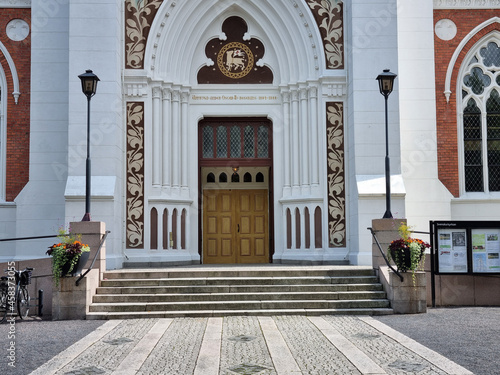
point(235, 226)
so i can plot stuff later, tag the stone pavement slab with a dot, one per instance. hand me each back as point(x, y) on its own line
point(241, 345)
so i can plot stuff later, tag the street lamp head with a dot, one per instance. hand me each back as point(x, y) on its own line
point(386, 82)
point(89, 83)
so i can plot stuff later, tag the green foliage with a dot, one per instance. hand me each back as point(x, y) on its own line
point(65, 253)
point(407, 253)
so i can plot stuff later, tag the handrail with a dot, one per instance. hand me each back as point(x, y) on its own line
point(95, 257)
point(33, 238)
point(383, 255)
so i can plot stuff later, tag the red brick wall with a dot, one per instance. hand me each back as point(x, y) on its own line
point(18, 115)
point(466, 21)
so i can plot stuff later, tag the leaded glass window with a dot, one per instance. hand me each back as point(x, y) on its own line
point(262, 143)
point(248, 142)
point(481, 119)
point(493, 132)
point(221, 142)
point(235, 142)
point(239, 140)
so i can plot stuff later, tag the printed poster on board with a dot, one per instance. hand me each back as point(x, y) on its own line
point(452, 250)
point(485, 250)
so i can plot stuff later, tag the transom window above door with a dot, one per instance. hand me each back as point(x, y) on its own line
point(235, 139)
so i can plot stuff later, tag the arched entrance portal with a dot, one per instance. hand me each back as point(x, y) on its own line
point(235, 159)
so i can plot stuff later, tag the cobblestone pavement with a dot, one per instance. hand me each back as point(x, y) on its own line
point(247, 345)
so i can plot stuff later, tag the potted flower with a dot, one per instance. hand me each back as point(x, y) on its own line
point(407, 253)
point(68, 256)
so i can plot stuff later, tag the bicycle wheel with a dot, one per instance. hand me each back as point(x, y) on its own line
point(3, 304)
point(23, 302)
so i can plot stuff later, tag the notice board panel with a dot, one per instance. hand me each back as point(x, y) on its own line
point(465, 247)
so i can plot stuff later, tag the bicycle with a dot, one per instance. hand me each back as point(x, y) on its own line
point(14, 290)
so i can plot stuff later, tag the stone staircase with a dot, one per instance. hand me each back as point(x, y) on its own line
point(238, 290)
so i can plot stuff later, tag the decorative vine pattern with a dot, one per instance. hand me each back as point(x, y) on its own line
point(336, 176)
point(135, 175)
point(139, 15)
point(330, 19)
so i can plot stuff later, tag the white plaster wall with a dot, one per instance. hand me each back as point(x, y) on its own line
point(7, 230)
point(40, 206)
point(95, 42)
point(371, 47)
point(426, 199)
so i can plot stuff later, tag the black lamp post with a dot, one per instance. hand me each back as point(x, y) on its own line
point(386, 82)
point(89, 87)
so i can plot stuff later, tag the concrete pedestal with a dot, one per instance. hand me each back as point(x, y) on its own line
point(407, 297)
point(68, 300)
point(71, 302)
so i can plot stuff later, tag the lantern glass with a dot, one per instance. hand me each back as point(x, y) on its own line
point(386, 82)
point(89, 83)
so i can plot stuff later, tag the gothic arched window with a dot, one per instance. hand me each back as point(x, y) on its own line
point(480, 87)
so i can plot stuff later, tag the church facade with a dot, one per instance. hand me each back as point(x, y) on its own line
point(233, 132)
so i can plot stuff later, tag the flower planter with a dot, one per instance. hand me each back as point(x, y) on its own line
point(82, 261)
point(402, 258)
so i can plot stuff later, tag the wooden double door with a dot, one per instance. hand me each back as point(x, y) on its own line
point(235, 226)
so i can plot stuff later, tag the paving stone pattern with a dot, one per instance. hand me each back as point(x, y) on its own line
point(249, 345)
point(312, 351)
point(383, 350)
point(106, 354)
point(243, 349)
point(178, 349)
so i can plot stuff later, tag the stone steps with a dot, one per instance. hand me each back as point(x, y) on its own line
point(111, 298)
point(240, 289)
point(280, 280)
point(247, 290)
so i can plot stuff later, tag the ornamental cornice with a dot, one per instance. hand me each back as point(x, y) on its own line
point(15, 3)
point(466, 4)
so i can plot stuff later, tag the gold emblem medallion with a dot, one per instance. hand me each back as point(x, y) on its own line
point(235, 60)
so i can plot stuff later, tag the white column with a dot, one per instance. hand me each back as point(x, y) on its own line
point(295, 140)
point(315, 147)
point(156, 162)
point(184, 138)
point(175, 139)
point(167, 138)
point(294, 228)
point(312, 228)
point(286, 140)
point(304, 143)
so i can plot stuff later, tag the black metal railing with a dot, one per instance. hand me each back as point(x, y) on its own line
point(103, 239)
point(383, 254)
point(33, 238)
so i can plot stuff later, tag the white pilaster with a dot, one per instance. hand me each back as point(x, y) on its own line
point(315, 147)
point(286, 135)
point(156, 178)
point(304, 141)
point(175, 139)
point(295, 140)
point(184, 139)
point(167, 138)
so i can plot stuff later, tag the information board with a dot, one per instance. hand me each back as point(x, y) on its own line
point(465, 247)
